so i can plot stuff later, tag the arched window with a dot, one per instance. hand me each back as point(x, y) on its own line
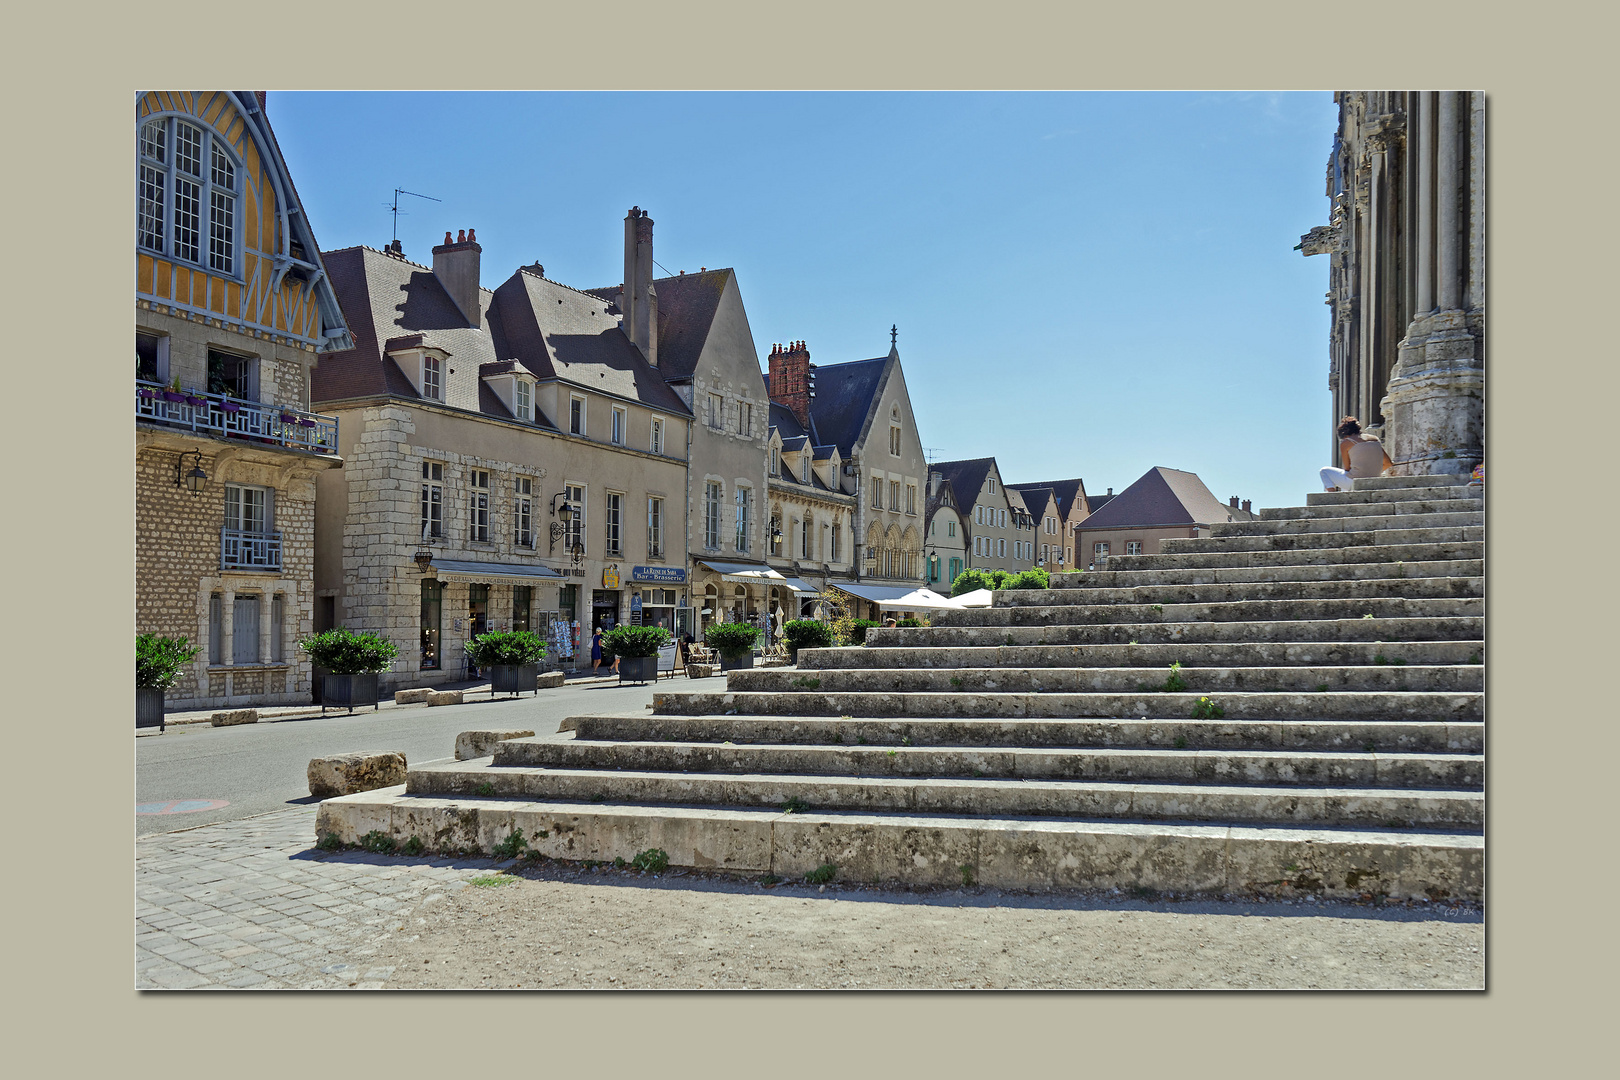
point(186, 193)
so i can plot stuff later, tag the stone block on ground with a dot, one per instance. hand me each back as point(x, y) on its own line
point(548, 679)
point(232, 717)
point(699, 671)
point(477, 744)
point(411, 697)
point(444, 697)
point(346, 774)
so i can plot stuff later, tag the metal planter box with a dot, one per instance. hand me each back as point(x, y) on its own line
point(513, 678)
point(148, 707)
point(638, 669)
point(347, 691)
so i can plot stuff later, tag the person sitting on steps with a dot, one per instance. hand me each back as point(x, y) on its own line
point(1362, 455)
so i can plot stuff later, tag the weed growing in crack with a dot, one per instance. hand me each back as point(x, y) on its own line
point(1399, 661)
point(795, 805)
point(1321, 688)
point(491, 881)
point(329, 842)
point(1175, 684)
point(513, 846)
point(1181, 742)
point(379, 842)
point(1380, 659)
point(804, 682)
point(414, 846)
point(955, 681)
point(653, 860)
point(486, 788)
point(822, 874)
point(1206, 709)
point(967, 874)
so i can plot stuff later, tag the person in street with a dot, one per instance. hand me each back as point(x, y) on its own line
point(596, 649)
point(1360, 455)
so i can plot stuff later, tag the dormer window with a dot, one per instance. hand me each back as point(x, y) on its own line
point(776, 462)
point(523, 393)
point(432, 377)
point(186, 191)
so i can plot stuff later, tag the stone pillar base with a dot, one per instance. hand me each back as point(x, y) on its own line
point(1434, 407)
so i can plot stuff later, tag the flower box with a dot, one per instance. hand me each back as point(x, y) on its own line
point(195, 402)
point(145, 393)
point(173, 395)
point(229, 406)
point(304, 421)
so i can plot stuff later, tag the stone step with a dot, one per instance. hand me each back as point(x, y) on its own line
point(1359, 537)
point(1050, 617)
point(1198, 654)
point(1410, 588)
point(1344, 523)
point(1262, 767)
point(1386, 483)
point(1470, 628)
point(1281, 560)
point(1408, 494)
point(941, 850)
point(1432, 706)
point(1384, 508)
point(1422, 808)
point(1111, 680)
point(1405, 736)
point(1118, 576)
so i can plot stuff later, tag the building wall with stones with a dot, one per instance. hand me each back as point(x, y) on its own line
point(891, 534)
point(1406, 247)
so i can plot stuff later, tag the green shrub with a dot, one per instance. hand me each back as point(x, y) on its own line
point(158, 660)
point(970, 581)
point(853, 631)
point(1029, 579)
point(913, 622)
point(807, 634)
point(732, 640)
point(516, 647)
point(822, 874)
point(634, 641)
point(341, 651)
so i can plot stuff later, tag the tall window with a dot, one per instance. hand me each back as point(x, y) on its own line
point(1001, 549)
point(432, 377)
point(524, 404)
point(744, 506)
point(877, 492)
point(478, 507)
point(711, 514)
point(1003, 516)
point(894, 440)
point(576, 416)
point(615, 523)
point(232, 375)
point(992, 485)
point(278, 628)
point(804, 539)
point(618, 427)
point(248, 509)
point(745, 419)
point(717, 412)
point(186, 188)
point(1100, 549)
point(911, 498)
point(523, 512)
point(432, 499)
point(894, 494)
point(837, 542)
point(776, 462)
point(950, 528)
point(576, 527)
point(776, 534)
point(657, 446)
point(655, 527)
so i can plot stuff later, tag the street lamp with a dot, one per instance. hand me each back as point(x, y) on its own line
point(193, 480)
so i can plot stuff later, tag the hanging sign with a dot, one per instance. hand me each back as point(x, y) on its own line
point(610, 577)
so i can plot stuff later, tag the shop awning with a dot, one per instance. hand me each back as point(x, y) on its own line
point(744, 573)
point(976, 598)
point(799, 585)
point(898, 597)
point(524, 573)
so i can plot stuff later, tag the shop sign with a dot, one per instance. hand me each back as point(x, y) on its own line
point(610, 577)
point(660, 575)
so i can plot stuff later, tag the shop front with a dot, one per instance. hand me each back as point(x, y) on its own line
point(658, 598)
point(465, 599)
point(734, 592)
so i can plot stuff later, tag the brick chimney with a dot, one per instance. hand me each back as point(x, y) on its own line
point(1247, 503)
point(455, 264)
point(638, 302)
point(1232, 502)
point(789, 379)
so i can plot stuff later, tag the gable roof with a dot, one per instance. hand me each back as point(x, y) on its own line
point(1067, 492)
point(1162, 497)
point(1035, 496)
point(845, 397)
point(783, 420)
point(967, 476)
point(687, 304)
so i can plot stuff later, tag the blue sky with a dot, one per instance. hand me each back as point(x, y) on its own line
point(1086, 284)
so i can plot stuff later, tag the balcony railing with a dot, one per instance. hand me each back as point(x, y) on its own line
point(221, 414)
point(240, 550)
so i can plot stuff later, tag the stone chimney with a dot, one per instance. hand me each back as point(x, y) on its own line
point(789, 380)
point(936, 481)
point(455, 264)
point(638, 302)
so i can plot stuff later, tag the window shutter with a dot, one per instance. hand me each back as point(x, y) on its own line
point(245, 630)
point(216, 629)
point(269, 510)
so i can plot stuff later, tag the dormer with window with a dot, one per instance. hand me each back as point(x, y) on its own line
point(513, 384)
point(425, 365)
point(187, 188)
point(828, 468)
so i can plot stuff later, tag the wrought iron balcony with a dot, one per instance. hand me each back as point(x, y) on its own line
point(240, 550)
point(221, 414)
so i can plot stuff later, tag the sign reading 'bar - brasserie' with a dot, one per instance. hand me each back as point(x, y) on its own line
point(664, 575)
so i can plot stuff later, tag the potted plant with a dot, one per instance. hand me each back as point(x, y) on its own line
point(806, 634)
point(195, 400)
point(512, 658)
point(173, 393)
point(146, 392)
point(227, 405)
point(158, 661)
point(734, 642)
point(637, 650)
point(352, 662)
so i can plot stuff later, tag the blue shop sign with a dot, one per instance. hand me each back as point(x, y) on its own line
point(660, 575)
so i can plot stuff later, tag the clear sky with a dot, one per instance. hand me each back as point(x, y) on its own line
point(1085, 284)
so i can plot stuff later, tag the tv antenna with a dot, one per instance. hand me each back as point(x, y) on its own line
point(396, 211)
point(931, 453)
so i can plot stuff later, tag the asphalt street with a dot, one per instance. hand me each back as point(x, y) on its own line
point(257, 768)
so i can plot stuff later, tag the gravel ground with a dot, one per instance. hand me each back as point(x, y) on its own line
point(558, 925)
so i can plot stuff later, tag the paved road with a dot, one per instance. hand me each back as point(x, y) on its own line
point(257, 768)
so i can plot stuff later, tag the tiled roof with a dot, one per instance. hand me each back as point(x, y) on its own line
point(845, 394)
point(686, 307)
point(1066, 491)
point(966, 477)
point(783, 420)
point(1162, 497)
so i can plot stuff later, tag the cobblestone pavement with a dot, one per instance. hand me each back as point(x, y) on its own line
point(251, 904)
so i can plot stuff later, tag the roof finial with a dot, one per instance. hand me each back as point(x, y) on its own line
point(894, 332)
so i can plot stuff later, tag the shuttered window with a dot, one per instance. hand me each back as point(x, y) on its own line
point(245, 630)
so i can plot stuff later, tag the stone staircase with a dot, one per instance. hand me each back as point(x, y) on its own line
point(1045, 741)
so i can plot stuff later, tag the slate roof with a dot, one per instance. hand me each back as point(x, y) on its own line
point(965, 477)
point(844, 397)
point(686, 307)
point(1067, 492)
point(783, 420)
point(1162, 497)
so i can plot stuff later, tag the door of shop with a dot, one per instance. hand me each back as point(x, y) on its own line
point(604, 609)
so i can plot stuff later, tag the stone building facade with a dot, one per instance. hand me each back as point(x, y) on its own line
point(232, 311)
point(1001, 532)
point(1406, 246)
point(945, 535)
point(809, 533)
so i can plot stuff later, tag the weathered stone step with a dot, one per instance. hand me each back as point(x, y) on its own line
point(1407, 494)
point(1094, 799)
point(1433, 706)
point(1405, 736)
point(1122, 574)
point(1343, 523)
point(1328, 557)
point(1358, 537)
point(1470, 628)
point(1198, 654)
point(1386, 483)
point(1410, 588)
point(937, 849)
point(1265, 767)
point(1089, 680)
point(1385, 508)
point(1378, 607)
